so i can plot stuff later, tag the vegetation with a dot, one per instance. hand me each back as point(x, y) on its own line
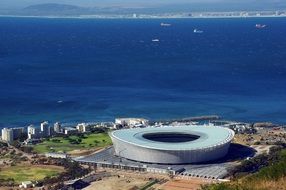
point(2, 144)
point(21, 173)
point(271, 173)
point(73, 171)
point(258, 162)
point(149, 184)
point(66, 144)
point(9, 156)
point(50, 172)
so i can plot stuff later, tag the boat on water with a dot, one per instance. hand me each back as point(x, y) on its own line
point(165, 24)
point(198, 31)
point(259, 26)
point(155, 40)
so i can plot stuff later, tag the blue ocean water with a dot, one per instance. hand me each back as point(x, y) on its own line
point(74, 70)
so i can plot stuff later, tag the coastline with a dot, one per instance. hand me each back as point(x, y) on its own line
point(141, 18)
point(203, 119)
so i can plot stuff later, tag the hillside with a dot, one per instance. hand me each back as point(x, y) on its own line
point(272, 176)
point(55, 9)
point(52, 7)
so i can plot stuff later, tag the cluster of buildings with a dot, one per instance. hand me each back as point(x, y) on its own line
point(80, 128)
point(237, 127)
point(44, 131)
point(35, 133)
point(219, 14)
point(130, 123)
point(11, 134)
point(239, 14)
point(231, 14)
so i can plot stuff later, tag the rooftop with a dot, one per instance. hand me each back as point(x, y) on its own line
point(167, 138)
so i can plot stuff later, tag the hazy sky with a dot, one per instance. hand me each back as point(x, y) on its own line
point(134, 3)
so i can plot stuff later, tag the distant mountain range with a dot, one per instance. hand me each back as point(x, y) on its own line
point(55, 9)
point(52, 7)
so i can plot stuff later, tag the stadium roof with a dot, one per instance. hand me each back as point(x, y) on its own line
point(208, 137)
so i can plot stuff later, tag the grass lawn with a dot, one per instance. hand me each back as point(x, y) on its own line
point(29, 173)
point(62, 144)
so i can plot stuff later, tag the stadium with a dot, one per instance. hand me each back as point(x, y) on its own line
point(172, 145)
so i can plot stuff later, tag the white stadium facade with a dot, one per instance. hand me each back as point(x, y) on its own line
point(172, 145)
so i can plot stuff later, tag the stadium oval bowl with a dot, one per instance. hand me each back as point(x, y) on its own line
point(172, 145)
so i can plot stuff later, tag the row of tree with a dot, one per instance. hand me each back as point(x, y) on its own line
point(73, 170)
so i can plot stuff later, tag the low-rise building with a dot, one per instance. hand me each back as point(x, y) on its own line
point(26, 184)
point(83, 128)
point(56, 155)
point(32, 141)
point(132, 122)
point(110, 125)
point(70, 131)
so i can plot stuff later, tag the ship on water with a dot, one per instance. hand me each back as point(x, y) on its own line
point(259, 26)
point(198, 31)
point(165, 24)
point(155, 40)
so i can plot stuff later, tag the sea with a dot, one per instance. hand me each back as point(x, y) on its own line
point(89, 70)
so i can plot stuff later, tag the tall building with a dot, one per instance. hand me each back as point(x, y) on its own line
point(7, 135)
point(10, 134)
point(57, 127)
point(33, 132)
point(17, 132)
point(45, 129)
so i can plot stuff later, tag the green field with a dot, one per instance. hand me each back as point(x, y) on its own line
point(66, 144)
point(28, 173)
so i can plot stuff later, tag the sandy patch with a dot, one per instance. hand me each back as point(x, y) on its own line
point(192, 184)
point(115, 183)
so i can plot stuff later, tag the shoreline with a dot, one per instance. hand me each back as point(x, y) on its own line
point(203, 119)
point(101, 17)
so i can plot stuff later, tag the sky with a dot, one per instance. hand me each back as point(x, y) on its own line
point(142, 3)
